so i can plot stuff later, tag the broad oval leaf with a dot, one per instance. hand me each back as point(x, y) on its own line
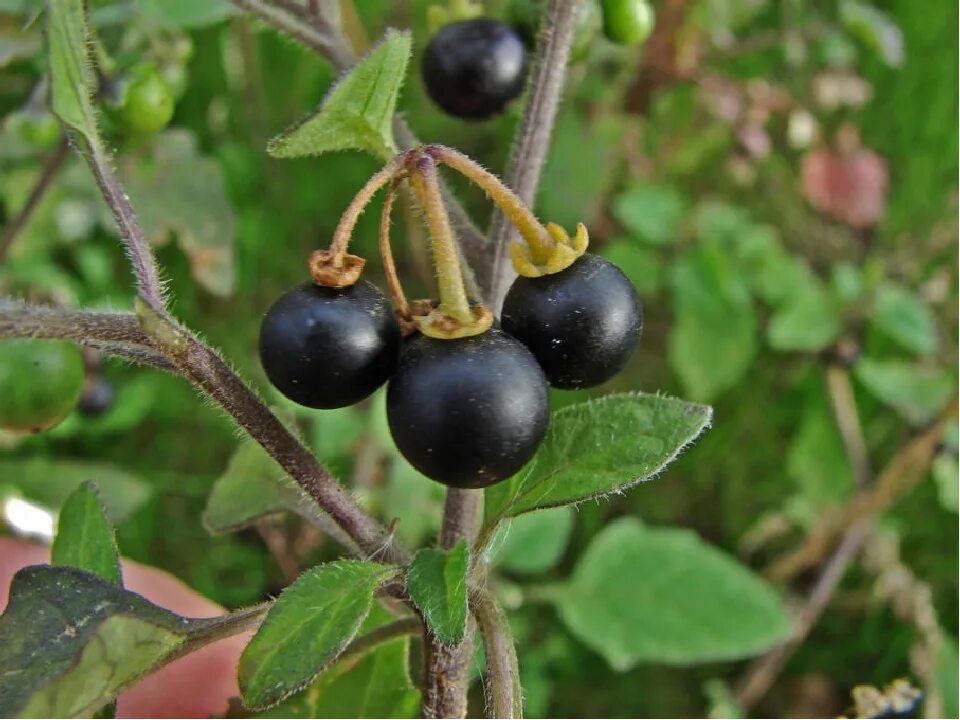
point(905, 318)
point(70, 641)
point(917, 392)
point(599, 447)
point(253, 485)
point(663, 595)
point(85, 538)
point(357, 113)
point(437, 582)
point(307, 628)
point(370, 684)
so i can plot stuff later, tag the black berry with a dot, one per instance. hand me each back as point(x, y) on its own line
point(97, 398)
point(467, 412)
point(328, 348)
point(473, 68)
point(582, 324)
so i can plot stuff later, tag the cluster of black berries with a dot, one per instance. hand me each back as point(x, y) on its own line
point(466, 412)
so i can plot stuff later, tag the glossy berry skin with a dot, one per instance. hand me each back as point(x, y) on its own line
point(627, 22)
point(468, 412)
point(40, 383)
point(582, 324)
point(148, 103)
point(473, 68)
point(328, 348)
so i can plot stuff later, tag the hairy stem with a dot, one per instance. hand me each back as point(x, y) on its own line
point(453, 295)
point(138, 248)
point(348, 221)
point(386, 254)
point(533, 139)
point(504, 694)
point(175, 349)
point(48, 172)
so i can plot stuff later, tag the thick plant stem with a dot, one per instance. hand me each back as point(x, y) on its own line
point(533, 140)
point(504, 694)
point(447, 669)
point(453, 295)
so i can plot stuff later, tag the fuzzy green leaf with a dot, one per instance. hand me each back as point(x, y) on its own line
point(70, 641)
point(905, 318)
point(310, 624)
point(357, 113)
point(437, 582)
point(643, 594)
point(253, 485)
point(72, 81)
point(535, 542)
point(651, 212)
point(372, 684)
point(599, 447)
point(915, 391)
point(807, 322)
point(85, 538)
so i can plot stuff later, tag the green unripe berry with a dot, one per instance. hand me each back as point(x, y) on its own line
point(147, 103)
point(40, 383)
point(38, 129)
point(627, 22)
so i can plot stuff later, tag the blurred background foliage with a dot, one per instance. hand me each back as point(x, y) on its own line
point(778, 178)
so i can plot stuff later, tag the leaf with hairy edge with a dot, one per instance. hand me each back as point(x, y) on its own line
point(307, 628)
point(70, 641)
point(599, 447)
point(374, 683)
point(253, 485)
point(357, 113)
point(437, 582)
point(642, 594)
point(85, 538)
point(72, 81)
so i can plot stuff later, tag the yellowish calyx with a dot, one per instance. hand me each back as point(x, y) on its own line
point(548, 255)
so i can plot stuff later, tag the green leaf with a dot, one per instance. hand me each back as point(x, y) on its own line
point(253, 485)
point(358, 112)
point(437, 582)
point(85, 539)
point(374, 684)
point(599, 447)
point(916, 392)
point(946, 673)
point(906, 319)
point(535, 542)
point(642, 265)
point(651, 212)
point(808, 322)
point(714, 339)
point(72, 80)
point(945, 472)
point(310, 624)
point(70, 641)
point(181, 193)
point(816, 459)
point(50, 482)
point(663, 595)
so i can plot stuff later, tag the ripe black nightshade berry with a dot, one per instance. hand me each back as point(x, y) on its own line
point(473, 68)
point(467, 412)
point(327, 347)
point(582, 323)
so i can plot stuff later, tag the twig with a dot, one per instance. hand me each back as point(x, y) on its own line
point(138, 248)
point(411, 625)
point(461, 511)
point(504, 694)
point(907, 467)
point(48, 172)
point(533, 139)
point(188, 356)
point(316, 35)
point(762, 673)
point(848, 422)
